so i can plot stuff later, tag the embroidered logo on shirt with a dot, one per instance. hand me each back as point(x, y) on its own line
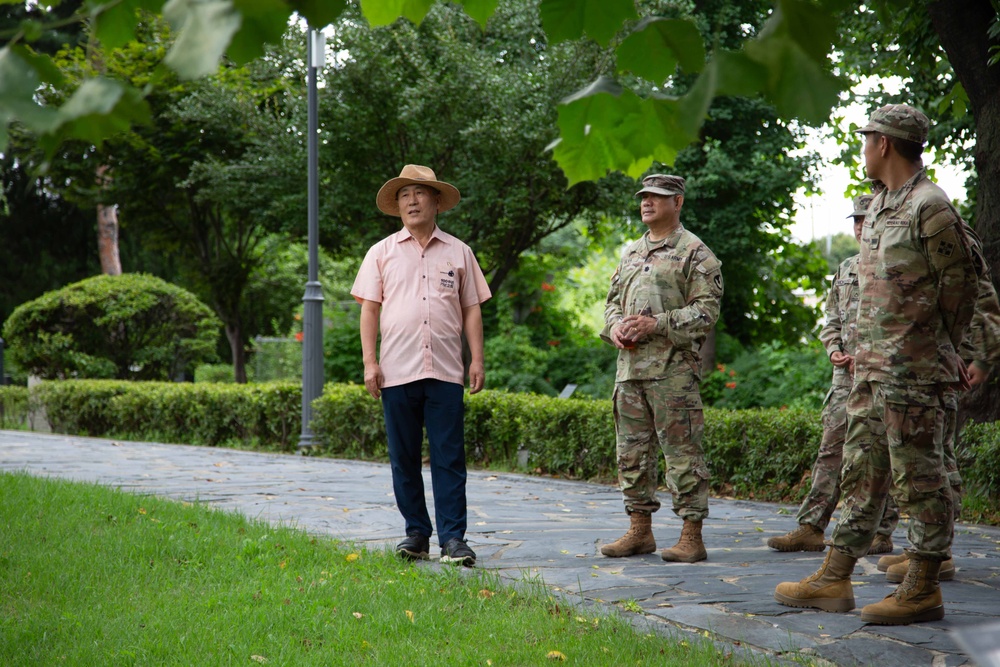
point(946, 248)
point(449, 281)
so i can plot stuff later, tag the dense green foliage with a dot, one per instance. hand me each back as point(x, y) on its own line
point(772, 376)
point(772, 62)
point(47, 241)
point(132, 326)
point(763, 453)
point(478, 106)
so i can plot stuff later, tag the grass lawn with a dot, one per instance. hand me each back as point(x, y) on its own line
point(95, 576)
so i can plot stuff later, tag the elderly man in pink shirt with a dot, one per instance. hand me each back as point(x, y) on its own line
point(421, 288)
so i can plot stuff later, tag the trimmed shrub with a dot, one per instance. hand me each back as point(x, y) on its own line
point(265, 415)
point(347, 423)
point(765, 454)
point(13, 406)
point(979, 458)
point(128, 327)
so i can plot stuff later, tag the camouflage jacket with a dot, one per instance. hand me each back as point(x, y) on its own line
point(981, 345)
point(841, 329)
point(918, 287)
point(679, 281)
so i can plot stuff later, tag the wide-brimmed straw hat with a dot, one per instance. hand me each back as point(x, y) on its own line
point(415, 174)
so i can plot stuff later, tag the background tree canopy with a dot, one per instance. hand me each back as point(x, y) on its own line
point(717, 90)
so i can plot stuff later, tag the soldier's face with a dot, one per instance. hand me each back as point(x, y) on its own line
point(873, 154)
point(659, 209)
point(859, 225)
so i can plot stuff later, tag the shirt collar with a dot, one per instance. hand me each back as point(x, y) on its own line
point(404, 235)
point(670, 242)
point(896, 198)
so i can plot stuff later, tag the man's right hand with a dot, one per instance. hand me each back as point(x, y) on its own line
point(839, 359)
point(373, 379)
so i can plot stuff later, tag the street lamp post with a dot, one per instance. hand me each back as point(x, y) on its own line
point(312, 320)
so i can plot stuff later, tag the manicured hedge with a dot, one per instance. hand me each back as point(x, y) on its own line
point(267, 415)
point(764, 454)
point(13, 406)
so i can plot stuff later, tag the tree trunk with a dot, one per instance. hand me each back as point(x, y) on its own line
point(708, 354)
point(234, 333)
point(961, 26)
point(107, 230)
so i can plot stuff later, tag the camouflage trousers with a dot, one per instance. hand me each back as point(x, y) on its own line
point(650, 418)
point(950, 459)
point(819, 503)
point(895, 445)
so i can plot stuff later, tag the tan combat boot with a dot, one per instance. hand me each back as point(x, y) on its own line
point(915, 600)
point(637, 540)
point(689, 547)
point(885, 562)
point(806, 537)
point(882, 544)
point(828, 589)
point(897, 573)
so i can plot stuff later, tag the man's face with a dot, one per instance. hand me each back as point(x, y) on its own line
point(418, 204)
point(872, 154)
point(859, 224)
point(659, 209)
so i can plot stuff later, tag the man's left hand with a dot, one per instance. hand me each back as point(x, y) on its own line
point(638, 327)
point(977, 374)
point(477, 377)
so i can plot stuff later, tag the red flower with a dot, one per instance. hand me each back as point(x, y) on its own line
point(730, 385)
point(299, 336)
point(553, 343)
point(732, 374)
point(548, 287)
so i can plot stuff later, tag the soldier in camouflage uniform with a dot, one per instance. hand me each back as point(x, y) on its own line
point(918, 287)
point(663, 301)
point(839, 337)
point(981, 351)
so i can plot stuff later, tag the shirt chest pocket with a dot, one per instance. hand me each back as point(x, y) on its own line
point(445, 279)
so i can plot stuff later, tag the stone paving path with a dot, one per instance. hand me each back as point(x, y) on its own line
point(523, 526)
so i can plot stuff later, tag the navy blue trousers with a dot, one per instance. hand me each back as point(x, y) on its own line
point(438, 407)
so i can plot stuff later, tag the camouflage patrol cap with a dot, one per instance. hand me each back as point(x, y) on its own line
point(899, 120)
point(861, 205)
point(662, 184)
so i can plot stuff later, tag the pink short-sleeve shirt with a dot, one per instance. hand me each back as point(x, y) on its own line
point(422, 292)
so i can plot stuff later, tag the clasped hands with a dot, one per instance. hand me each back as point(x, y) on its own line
point(632, 329)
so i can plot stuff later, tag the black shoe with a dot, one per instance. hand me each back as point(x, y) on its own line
point(414, 547)
point(457, 551)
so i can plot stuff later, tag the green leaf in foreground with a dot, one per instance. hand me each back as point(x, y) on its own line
point(657, 45)
point(598, 19)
